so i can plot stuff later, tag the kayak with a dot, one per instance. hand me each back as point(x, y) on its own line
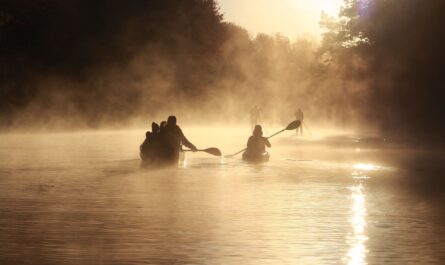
point(256, 158)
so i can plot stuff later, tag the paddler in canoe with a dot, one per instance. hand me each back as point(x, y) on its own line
point(147, 148)
point(172, 138)
point(164, 148)
point(256, 146)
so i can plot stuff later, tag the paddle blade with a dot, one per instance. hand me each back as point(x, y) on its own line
point(293, 125)
point(213, 151)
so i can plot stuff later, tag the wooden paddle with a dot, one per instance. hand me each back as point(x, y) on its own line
point(292, 126)
point(212, 150)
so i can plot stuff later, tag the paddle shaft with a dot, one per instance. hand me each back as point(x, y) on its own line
point(212, 150)
point(238, 152)
point(307, 129)
point(199, 150)
point(276, 133)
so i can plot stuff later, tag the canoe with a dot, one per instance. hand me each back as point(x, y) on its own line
point(156, 160)
point(256, 158)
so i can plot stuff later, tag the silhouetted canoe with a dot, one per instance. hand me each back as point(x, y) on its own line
point(256, 158)
point(156, 160)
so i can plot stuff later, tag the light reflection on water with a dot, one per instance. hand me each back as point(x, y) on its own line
point(84, 199)
point(357, 238)
point(364, 166)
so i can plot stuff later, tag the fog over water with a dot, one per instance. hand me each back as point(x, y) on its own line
point(118, 64)
point(73, 198)
point(81, 81)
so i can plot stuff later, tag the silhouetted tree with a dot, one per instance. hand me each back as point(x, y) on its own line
point(396, 47)
point(88, 46)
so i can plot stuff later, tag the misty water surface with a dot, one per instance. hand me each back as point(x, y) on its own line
point(82, 198)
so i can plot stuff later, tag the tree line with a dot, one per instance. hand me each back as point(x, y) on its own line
point(107, 60)
point(394, 52)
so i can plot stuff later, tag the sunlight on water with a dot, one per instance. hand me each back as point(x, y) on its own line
point(368, 167)
point(357, 239)
point(75, 198)
point(358, 175)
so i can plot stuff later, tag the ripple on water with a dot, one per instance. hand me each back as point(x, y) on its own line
point(307, 205)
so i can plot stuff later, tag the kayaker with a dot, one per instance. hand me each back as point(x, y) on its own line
point(172, 138)
point(256, 145)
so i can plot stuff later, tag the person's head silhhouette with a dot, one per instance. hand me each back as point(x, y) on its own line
point(171, 121)
point(154, 127)
point(257, 131)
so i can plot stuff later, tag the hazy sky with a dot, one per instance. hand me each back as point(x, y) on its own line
point(288, 17)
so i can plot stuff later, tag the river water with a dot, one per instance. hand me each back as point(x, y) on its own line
point(83, 198)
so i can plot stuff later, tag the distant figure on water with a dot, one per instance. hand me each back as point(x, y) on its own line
point(299, 115)
point(256, 145)
point(255, 116)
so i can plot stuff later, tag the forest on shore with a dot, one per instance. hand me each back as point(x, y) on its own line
point(90, 63)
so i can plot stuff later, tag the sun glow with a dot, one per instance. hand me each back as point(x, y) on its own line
point(330, 7)
point(292, 18)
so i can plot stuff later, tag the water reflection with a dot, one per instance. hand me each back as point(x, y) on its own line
point(183, 163)
point(367, 167)
point(75, 200)
point(357, 239)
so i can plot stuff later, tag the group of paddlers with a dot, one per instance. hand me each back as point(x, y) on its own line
point(163, 144)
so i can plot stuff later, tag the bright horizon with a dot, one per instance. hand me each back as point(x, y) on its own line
point(291, 18)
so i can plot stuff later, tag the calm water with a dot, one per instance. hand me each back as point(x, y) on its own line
point(82, 198)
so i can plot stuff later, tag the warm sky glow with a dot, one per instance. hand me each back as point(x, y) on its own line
point(291, 18)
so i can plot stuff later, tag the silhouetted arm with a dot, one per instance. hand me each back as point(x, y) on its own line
point(266, 142)
point(187, 143)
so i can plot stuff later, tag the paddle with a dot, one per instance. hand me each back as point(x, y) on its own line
point(212, 150)
point(307, 129)
point(292, 126)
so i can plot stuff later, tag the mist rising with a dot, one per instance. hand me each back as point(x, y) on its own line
point(77, 63)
